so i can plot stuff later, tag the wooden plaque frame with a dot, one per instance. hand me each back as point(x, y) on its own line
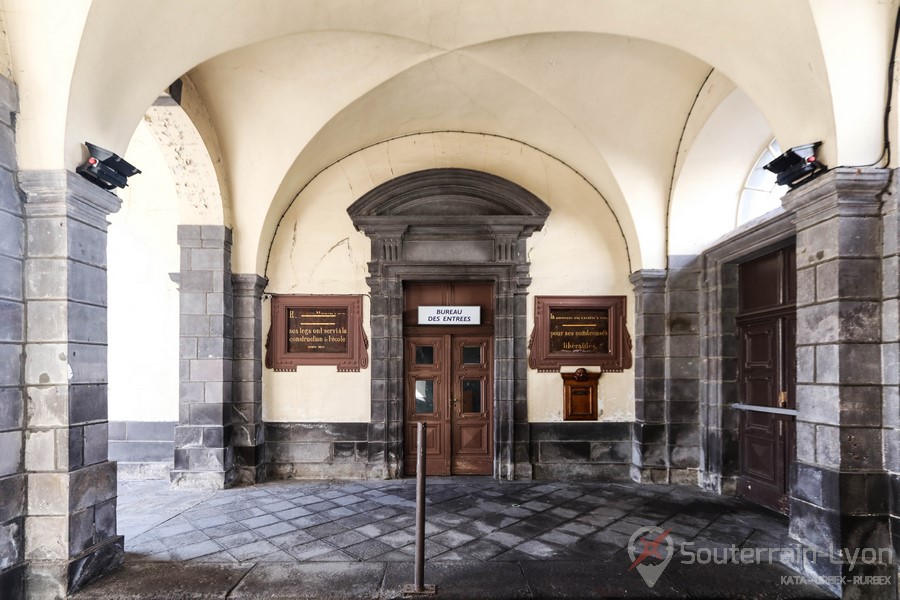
point(339, 340)
point(613, 355)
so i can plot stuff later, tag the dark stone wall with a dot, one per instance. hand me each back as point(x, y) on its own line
point(890, 288)
point(142, 449)
point(12, 339)
point(204, 454)
point(595, 450)
point(316, 450)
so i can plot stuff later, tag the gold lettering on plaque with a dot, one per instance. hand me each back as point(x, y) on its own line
point(579, 330)
point(317, 330)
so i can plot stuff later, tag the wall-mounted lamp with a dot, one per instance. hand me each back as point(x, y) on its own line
point(797, 166)
point(106, 169)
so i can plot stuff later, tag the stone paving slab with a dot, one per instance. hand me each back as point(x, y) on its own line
point(485, 539)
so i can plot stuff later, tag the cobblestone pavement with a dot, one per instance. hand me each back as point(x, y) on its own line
point(485, 539)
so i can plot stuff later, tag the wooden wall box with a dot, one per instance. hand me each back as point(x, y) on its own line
point(580, 396)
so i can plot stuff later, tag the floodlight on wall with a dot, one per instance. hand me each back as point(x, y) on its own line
point(106, 169)
point(797, 166)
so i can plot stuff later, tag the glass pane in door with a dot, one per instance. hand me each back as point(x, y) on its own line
point(424, 355)
point(424, 395)
point(471, 355)
point(471, 396)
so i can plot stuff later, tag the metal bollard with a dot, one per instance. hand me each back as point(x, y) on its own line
point(419, 588)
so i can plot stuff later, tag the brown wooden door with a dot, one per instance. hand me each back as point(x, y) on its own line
point(767, 379)
point(448, 385)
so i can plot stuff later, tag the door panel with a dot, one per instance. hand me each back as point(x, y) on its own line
point(471, 406)
point(762, 474)
point(767, 376)
point(449, 387)
point(427, 399)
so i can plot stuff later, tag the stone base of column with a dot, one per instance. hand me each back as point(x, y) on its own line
point(641, 474)
point(202, 480)
point(12, 582)
point(249, 465)
point(58, 579)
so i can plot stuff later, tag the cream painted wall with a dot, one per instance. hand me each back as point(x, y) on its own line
point(732, 139)
point(579, 252)
point(143, 301)
point(316, 250)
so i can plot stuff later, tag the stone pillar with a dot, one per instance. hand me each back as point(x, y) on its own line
point(71, 510)
point(890, 359)
point(385, 450)
point(682, 383)
point(839, 488)
point(12, 356)
point(203, 445)
point(248, 428)
point(650, 459)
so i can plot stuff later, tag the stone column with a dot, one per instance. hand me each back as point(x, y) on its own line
point(385, 429)
point(890, 359)
point(71, 510)
point(839, 489)
point(650, 439)
point(249, 432)
point(203, 445)
point(12, 356)
point(682, 384)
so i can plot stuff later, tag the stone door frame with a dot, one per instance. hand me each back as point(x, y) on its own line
point(719, 468)
point(449, 225)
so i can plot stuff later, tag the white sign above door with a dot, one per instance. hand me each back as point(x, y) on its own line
point(449, 315)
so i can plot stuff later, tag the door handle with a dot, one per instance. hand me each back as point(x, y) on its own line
point(782, 399)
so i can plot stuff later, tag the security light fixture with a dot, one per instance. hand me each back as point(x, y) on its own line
point(797, 166)
point(106, 169)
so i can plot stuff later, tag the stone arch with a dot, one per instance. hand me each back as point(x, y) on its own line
point(421, 227)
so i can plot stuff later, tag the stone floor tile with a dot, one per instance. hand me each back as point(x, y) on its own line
point(275, 529)
point(538, 549)
point(252, 550)
point(279, 505)
point(241, 538)
point(504, 539)
point(399, 538)
point(348, 538)
point(368, 550)
point(324, 530)
point(374, 530)
point(183, 539)
point(195, 550)
point(256, 522)
point(452, 538)
point(291, 539)
point(224, 529)
point(482, 549)
point(337, 580)
point(558, 537)
point(310, 550)
point(309, 521)
point(577, 528)
point(292, 513)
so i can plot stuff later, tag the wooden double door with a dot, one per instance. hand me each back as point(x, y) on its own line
point(448, 386)
point(767, 378)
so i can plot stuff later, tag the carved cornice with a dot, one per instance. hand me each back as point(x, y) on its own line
point(248, 284)
point(844, 191)
point(448, 193)
point(648, 280)
point(54, 193)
